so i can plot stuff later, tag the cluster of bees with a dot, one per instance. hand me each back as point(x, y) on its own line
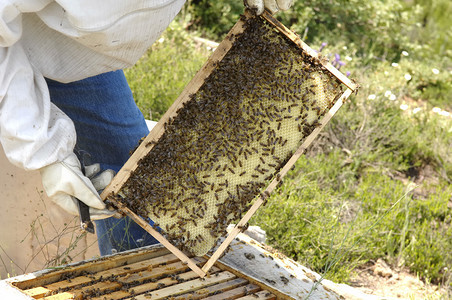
point(230, 138)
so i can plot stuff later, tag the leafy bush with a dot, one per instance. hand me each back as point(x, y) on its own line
point(214, 18)
point(432, 30)
point(373, 28)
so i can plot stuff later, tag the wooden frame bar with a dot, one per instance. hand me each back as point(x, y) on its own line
point(111, 274)
point(181, 255)
point(300, 151)
point(296, 39)
point(192, 87)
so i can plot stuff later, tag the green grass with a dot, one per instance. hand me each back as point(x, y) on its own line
point(162, 73)
point(319, 216)
point(377, 183)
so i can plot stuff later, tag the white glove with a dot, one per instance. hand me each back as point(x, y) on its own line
point(64, 181)
point(272, 5)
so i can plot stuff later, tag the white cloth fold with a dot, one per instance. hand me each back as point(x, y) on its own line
point(33, 131)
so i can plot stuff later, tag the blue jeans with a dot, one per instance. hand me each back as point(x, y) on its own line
point(108, 125)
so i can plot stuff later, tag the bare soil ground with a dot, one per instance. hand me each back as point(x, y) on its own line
point(379, 279)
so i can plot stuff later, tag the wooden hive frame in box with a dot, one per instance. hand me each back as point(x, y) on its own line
point(149, 273)
point(192, 88)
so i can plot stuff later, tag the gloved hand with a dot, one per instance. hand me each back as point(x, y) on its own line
point(64, 180)
point(272, 5)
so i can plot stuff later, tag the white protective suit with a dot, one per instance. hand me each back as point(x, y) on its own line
point(64, 40)
point(69, 40)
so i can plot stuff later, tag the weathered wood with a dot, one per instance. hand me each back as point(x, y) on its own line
point(89, 291)
point(69, 283)
point(125, 276)
point(188, 286)
point(157, 272)
point(118, 271)
point(259, 295)
point(62, 296)
point(145, 225)
point(236, 293)
point(149, 287)
point(217, 288)
point(279, 294)
point(51, 276)
point(149, 265)
point(125, 286)
point(37, 292)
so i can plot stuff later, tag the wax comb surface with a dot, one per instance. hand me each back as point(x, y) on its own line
point(230, 138)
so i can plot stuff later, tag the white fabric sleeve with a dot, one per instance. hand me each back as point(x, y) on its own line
point(33, 132)
point(64, 40)
point(70, 40)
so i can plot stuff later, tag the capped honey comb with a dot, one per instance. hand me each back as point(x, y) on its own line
point(223, 146)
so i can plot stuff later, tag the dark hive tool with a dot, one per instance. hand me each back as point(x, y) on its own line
point(229, 139)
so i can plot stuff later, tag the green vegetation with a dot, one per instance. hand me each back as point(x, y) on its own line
point(377, 183)
point(161, 74)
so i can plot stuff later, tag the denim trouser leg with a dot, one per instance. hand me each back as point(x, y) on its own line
point(108, 125)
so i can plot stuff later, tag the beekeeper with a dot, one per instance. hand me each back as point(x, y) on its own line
point(61, 86)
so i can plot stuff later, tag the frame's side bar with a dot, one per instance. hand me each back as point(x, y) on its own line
point(145, 225)
point(191, 88)
point(259, 201)
point(307, 142)
point(296, 39)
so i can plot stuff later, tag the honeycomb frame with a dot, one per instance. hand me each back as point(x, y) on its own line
point(192, 88)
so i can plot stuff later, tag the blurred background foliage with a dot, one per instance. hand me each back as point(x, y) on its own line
point(377, 183)
point(375, 29)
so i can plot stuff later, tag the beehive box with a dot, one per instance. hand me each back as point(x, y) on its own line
point(230, 138)
point(248, 271)
point(155, 274)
